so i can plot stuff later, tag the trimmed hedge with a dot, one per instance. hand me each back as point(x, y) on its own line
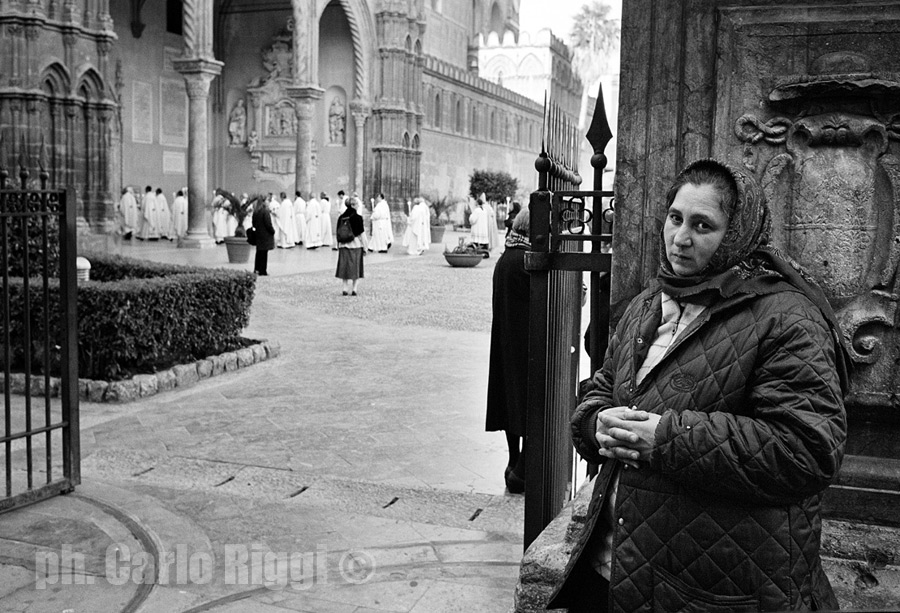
point(139, 317)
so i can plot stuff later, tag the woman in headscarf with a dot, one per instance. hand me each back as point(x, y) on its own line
point(508, 373)
point(718, 418)
point(350, 252)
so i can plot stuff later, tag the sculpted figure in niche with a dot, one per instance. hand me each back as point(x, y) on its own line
point(337, 118)
point(237, 124)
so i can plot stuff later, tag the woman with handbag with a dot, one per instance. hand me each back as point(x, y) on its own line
point(265, 235)
point(352, 243)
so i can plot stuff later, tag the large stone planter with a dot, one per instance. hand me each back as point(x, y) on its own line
point(463, 260)
point(437, 234)
point(238, 249)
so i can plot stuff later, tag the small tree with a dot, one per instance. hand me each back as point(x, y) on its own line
point(497, 186)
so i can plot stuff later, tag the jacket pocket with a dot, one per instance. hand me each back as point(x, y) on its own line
point(672, 595)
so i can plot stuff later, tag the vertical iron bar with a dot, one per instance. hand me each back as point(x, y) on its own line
point(45, 223)
point(69, 324)
point(26, 274)
point(536, 457)
point(7, 335)
point(599, 135)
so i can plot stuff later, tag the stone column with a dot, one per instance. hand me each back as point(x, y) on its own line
point(304, 98)
point(198, 74)
point(360, 111)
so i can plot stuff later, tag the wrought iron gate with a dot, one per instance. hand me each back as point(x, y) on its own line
point(39, 446)
point(563, 222)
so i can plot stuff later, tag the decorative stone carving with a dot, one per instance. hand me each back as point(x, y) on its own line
point(281, 119)
point(272, 120)
point(237, 124)
point(337, 122)
point(836, 180)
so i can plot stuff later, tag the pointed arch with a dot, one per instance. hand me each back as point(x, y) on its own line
point(90, 85)
point(406, 140)
point(497, 20)
point(362, 30)
point(55, 80)
point(415, 142)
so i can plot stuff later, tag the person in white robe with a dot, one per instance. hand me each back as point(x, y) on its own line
point(286, 225)
point(128, 213)
point(150, 216)
point(478, 220)
point(300, 217)
point(313, 225)
point(493, 235)
point(417, 237)
point(165, 215)
point(382, 231)
point(248, 216)
point(325, 221)
point(179, 215)
point(220, 219)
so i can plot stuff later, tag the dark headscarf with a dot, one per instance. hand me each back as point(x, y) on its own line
point(744, 262)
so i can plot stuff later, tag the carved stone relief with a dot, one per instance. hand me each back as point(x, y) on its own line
point(272, 120)
point(828, 161)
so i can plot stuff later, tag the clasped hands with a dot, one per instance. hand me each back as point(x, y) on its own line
point(626, 434)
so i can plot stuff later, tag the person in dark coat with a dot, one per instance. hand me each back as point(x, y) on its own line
point(265, 235)
point(350, 252)
point(722, 395)
point(511, 216)
point(508, 374)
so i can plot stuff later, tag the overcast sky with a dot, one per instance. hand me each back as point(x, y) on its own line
point(555, 14)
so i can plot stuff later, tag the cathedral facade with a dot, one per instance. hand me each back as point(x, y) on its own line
point(271, 95)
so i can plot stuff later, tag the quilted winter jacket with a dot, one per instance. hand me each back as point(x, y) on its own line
point(725, 515)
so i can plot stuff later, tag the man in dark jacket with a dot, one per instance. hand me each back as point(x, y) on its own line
point(718, 417)
point(265, 235)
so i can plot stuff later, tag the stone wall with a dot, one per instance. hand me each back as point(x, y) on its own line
point(154, 100)
point(463, 140)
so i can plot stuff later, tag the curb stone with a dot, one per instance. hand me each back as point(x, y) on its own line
point(142, 386)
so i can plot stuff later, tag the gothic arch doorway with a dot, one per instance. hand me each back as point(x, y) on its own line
point(333, 131)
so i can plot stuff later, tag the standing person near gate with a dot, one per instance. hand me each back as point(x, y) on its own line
point(719, 420)
point(351, 247)
point(508, 375)
point(265, 234)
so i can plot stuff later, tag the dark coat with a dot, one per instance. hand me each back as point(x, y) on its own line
point(356, 220)
point(508, 374)
point(726, 513)
point(265, 231)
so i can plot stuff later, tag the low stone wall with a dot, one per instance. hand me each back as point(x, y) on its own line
point(142, 386)
point(862, 561)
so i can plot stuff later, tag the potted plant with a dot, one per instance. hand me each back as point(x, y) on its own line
point(439, 208)
point(237, 246)
point(465, 254)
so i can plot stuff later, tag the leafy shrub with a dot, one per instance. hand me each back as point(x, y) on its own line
point(497, 186)
point(35, 246)
point(136, 316)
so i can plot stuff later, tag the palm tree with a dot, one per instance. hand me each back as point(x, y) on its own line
point(595, 43)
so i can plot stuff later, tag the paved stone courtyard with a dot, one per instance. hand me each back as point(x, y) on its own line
point(362, 441)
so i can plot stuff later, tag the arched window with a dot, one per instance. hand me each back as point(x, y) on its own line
point(497, 20)
point(459, 116)
point(473, 120)
point(437, 110)
point(493, 124)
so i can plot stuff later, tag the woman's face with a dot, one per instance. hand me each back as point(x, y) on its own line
point(695, 226)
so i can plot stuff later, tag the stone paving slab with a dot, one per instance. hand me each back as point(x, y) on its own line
point(375, 406)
